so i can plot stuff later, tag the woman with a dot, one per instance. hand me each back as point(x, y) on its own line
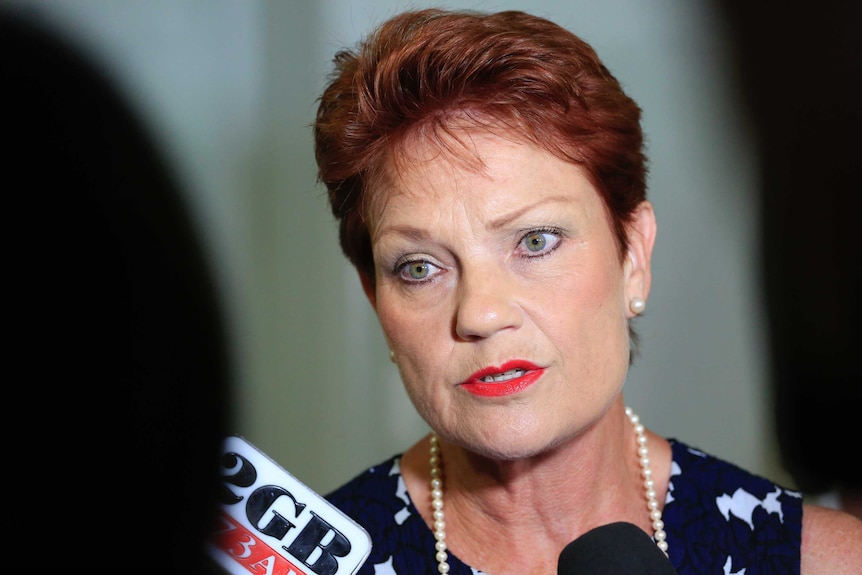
point(488, 175)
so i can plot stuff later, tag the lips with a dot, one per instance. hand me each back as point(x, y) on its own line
point(510, 378)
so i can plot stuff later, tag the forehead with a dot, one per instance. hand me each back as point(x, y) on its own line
point(438, 145)
point(492, 167)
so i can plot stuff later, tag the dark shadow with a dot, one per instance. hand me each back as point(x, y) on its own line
point(119, 384)
point(800, 70)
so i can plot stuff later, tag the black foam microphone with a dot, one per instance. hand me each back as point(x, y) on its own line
point(614, 549)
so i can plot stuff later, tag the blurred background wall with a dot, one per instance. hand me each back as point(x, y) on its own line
point(230, 90)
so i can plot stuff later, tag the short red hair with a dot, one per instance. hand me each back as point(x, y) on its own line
point(421, 71)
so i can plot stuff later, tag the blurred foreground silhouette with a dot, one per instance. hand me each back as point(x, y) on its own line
point(120, 376)
point(800, 69)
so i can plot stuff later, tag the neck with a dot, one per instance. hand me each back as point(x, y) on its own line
point(604, 450)
point(534, 507)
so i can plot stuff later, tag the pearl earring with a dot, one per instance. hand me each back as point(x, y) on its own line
point(392, 356)
point(637, 305)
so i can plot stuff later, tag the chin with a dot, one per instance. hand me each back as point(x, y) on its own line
point(510, 444)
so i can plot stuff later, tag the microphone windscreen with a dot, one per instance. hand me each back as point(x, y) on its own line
point(614, 549)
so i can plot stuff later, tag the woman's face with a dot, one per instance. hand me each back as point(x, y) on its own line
point(503, 295)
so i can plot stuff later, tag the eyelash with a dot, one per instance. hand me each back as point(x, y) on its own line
point(555, 232)
point(402, 266)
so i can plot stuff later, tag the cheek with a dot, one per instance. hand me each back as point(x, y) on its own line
point(415, 344)
point(410, 330)
point(590, 308)
point(394, 324)
point(594, 286)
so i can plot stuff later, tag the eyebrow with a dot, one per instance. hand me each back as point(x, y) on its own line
point(505, 219)
point(418, 234)
point(405, 231)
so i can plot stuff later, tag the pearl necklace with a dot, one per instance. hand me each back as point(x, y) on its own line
point(659, 535)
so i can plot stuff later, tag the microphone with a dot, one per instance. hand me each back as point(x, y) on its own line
point(269, 521)
point(614, 549)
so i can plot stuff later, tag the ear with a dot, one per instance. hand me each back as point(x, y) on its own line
point(638, 275)
point(368, 286)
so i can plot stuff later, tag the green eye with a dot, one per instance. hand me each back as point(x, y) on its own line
point(539, 242)
point(417, 270)
point(535, 242)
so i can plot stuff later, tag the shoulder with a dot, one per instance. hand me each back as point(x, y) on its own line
point(700, 474)
point(379, 486)
point(831, 542)
point(717, 513)
point(378, 500)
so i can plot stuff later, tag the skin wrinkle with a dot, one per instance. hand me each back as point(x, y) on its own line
point(522, 506)
point(473, 252)
point(443, 148)
point(491, 302)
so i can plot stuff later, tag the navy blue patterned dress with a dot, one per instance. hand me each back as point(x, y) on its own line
point(719, 520)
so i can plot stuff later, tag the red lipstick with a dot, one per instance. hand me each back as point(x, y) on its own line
point(510, 378)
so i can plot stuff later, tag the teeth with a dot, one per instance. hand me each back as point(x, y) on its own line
point(505, 376)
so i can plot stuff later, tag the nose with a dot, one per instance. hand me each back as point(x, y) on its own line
point(487, 304)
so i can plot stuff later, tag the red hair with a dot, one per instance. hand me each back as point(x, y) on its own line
point(422, 71)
